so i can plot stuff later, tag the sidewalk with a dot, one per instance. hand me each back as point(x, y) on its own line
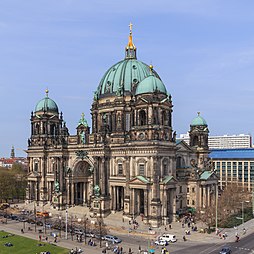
point(119, 226)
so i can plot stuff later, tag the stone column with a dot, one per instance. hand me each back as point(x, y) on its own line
point(67, 192)
point(72, 194)
point(127, 173)
point(103, 167)
point(76, 193)
point(204, 196)
point(200, 197)
point(84, 193)
point(150, 115)
point(155, 186)
point(208, 196)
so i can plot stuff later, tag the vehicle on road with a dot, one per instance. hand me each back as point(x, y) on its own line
point(168, 238)
point(42, 214)
point(78, 231)
point(161, 242)
point(225, 250)
point(112, 238)
point(4, 206)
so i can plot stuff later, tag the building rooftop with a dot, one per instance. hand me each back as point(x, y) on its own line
point(241, 153)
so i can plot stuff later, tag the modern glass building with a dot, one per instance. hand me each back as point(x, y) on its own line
point(234, 166)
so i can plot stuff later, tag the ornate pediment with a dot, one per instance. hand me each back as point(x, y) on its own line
point(139, 180)
point(168, 180)
point(33, 174)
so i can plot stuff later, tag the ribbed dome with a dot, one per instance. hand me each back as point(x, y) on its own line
point(46, 105)
point(198, 121)
point(123, 76)
point(150, 85)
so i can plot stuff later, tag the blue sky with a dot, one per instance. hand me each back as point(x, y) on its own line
point(203, 51)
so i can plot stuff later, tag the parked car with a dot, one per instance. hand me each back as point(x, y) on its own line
point(14, 217)
point(39, 223)
point(42, 214)
point(98, 236)
point(78, 231)
point(225, 250)
point(168, 238)
point(4, 206)
point(112, 238)
point(161, 242)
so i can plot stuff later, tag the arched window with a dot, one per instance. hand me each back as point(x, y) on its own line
point(165, 168)
point(141, 169)
point(36, 166)
point(195, 141)
point(37, 127)
point(142, 117)
point(163, 117)
point(120, 168)
point(178, 162)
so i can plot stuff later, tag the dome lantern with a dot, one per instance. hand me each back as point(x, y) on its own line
point(130, 50)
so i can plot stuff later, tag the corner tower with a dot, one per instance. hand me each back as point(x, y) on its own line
point(199, 139)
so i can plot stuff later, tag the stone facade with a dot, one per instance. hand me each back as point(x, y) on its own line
point(129, 161)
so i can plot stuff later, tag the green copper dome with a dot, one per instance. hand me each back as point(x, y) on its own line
point(125, 76)
point(151, 84)
point(46, 105)
point(198, 121)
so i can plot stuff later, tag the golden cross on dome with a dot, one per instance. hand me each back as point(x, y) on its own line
point(198, 113)
point(47, 92)
point(130, 26)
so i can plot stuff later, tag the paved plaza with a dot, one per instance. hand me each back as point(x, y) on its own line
point(122, 228)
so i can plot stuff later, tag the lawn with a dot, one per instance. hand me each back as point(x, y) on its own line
point(23, 245)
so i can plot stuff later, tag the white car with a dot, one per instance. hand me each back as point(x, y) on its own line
point(161, 242)
point(168, 238)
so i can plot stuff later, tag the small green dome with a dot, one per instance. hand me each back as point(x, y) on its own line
point(150, 85)
point(199, 120)
point(123, 76)
point(46, 105)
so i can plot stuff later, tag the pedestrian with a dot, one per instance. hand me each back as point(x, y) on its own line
point(46, 238)
point(139, 249)
point(40, 237)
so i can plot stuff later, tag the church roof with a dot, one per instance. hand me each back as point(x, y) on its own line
point(46, 105)
point(205, 175)
point(199, 120)
point(151, 84)
point(129, 75)
point(167, 179)
point(237, 153)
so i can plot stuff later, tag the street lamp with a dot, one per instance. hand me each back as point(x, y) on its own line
point(247, 201)
point(66, 224)
point(85, 224)
point(35, 217)
point(60, 218)
point(71, 229)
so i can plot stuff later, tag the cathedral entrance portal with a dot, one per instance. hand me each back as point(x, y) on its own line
point(81, 181)
point(139, 202)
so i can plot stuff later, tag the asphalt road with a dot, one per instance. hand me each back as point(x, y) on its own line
point(244, 246)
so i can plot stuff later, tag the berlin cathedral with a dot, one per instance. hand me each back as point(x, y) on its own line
point(128, 160)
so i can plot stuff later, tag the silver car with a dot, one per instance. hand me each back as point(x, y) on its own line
point(112, 238)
